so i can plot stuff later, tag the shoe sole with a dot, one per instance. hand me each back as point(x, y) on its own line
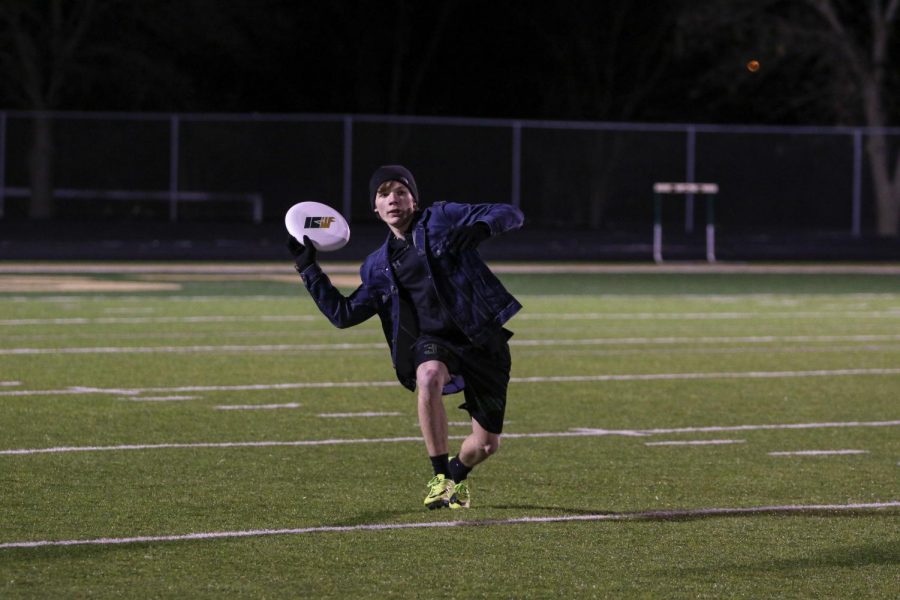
point(455, 504)
point(437, 504)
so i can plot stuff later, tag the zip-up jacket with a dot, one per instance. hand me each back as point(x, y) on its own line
point(470, 293)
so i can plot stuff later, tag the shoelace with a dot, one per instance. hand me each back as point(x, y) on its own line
point(436, 486)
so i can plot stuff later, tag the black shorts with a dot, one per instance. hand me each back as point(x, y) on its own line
point(482, 370)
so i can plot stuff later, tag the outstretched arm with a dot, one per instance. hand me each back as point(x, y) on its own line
point(342, 311)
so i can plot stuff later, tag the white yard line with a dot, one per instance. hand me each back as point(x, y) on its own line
point(654, 515)
point(524, 343)
point(526, 316)
point(10, 383)
point(722, 428)
point(257, 406)
point(695, 442)
point(818, 452)
point(81, 390)
point(720, 375)
point(176, 446)
point(157, 398)
point(554, 267)
point(190, 349)
point(579, 432)
point(700, 350)
point(262, 387)
point(666, 340)
point(705, 316)
point(351, 415)
point(155, 320)
point(765, 298)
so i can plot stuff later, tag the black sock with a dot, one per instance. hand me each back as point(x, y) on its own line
point(440, 464)
point(458, 471)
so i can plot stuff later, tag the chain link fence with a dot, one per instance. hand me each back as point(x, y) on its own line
point(567, 174)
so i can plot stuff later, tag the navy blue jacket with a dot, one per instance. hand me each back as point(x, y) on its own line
point(472, 295)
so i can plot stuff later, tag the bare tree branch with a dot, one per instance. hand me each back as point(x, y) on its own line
point(841, 39)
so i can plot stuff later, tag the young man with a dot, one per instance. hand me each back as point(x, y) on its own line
point(442, 311)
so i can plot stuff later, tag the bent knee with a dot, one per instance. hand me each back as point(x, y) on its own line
point(491, 446)
point(432, 374)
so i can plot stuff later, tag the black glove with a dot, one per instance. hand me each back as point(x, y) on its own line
point(468, 237)
point(304, 254)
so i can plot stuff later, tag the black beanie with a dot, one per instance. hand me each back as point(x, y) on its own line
point(392, 173)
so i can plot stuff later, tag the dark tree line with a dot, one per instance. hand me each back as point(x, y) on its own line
point(651, 60)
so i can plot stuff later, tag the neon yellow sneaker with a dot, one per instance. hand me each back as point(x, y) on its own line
point(461, 497)
point(439, 491)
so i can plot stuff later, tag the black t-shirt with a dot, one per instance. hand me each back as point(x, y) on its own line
point(417, 289)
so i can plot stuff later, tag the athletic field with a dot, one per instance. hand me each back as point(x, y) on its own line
point(201, 431)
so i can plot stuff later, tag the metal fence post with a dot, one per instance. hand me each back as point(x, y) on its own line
point(710, 228)
point(657, 226)
point(348, 169)
point(690, 173)
point(856, 208)
point(173, 167)
point(2, 163)
point(516, 189)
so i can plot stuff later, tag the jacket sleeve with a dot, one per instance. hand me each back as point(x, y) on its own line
point(500, 218)
point(342, 311)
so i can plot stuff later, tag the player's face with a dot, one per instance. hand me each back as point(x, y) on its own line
point(395, 205)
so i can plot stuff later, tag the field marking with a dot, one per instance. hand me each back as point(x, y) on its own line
point(752, 339)
point(818, 452)
point(242, 348)
point(695, 442)
point(257, 406)
point(349, 415)
point(652, 515)
point(717, 350)
point(10, 383)
point(157, 398)
point(670, 340)
point(591, 316)
point(576, 432)
point(711, 375)
point(80, 390)
point(724, 428)
point(156, 320)
point(705, 316)
point(175, 446)
point(79, 283)
point(764, 297)
point(352, 267)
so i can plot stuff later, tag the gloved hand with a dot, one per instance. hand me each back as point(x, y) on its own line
point(304, 254)
point(468, 237)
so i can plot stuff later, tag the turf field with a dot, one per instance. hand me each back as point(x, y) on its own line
point(202, 432)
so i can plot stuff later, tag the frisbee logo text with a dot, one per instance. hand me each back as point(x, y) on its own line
point(324, 226)
point(318, 222)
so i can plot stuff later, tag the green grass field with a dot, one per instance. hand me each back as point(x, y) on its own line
point(669, 435)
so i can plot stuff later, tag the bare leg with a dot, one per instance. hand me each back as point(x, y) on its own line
point(478, 446)
point(430, 379)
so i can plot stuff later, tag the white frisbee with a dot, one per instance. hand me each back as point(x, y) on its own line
point(327, 228)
